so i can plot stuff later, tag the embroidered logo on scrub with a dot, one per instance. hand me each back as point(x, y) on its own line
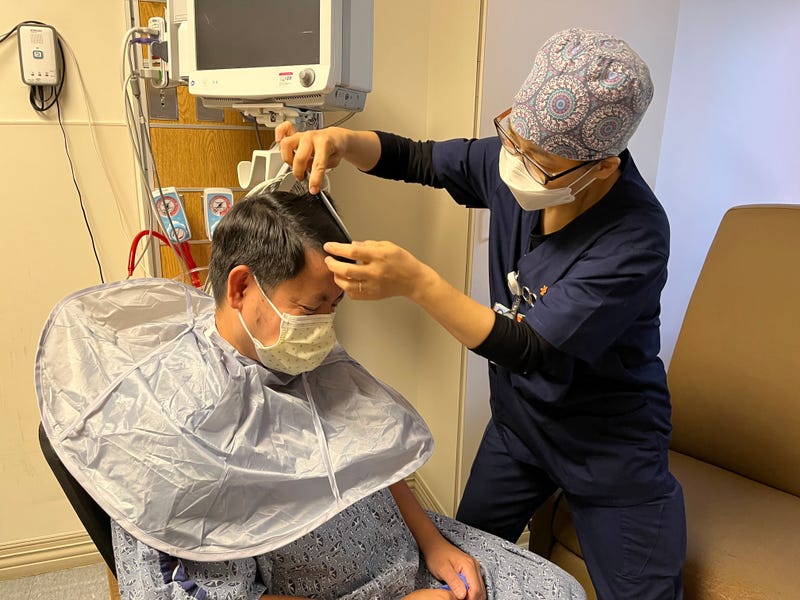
point(543, 290)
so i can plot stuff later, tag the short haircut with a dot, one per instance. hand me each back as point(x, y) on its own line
point(269, 233)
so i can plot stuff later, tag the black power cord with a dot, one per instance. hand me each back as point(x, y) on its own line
point(78, 189)
point(16, 27)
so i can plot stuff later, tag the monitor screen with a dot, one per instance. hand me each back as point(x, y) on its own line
point(234, 34)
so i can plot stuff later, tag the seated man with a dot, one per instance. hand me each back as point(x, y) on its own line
point(239, 451)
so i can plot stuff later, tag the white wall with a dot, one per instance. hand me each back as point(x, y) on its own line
point(732, 130)
point(515, 29)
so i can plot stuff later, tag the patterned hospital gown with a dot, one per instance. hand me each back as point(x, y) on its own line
point(364, 553)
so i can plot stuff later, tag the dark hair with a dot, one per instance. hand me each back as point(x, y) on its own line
point(269, 233)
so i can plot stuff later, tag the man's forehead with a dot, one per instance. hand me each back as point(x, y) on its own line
point(315, 284)
point(325, 295)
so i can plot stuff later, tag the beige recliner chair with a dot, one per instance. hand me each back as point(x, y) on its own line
point(735, 384)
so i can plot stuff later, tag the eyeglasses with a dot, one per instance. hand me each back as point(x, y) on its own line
point(534, 169)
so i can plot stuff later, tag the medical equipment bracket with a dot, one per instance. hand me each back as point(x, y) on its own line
point(273, 114)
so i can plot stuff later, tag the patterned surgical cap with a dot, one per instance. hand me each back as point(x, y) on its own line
point(585, 96)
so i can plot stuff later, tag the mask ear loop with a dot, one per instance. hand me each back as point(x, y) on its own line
point(246, 328)
point(587, 184)
point(255, 340)
point(260, 289)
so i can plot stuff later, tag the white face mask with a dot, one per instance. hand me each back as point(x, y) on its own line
point(303, 343)
point(529, 193)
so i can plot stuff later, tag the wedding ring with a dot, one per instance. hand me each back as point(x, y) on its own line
point(359, 286)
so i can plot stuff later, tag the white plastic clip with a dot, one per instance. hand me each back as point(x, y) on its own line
point(264, 166)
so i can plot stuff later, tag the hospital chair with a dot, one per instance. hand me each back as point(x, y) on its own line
point(735, 384)
point(93, 518)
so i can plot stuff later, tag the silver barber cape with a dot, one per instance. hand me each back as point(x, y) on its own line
point(197, 450)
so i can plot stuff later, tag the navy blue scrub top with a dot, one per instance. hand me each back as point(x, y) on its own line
point(596, 416)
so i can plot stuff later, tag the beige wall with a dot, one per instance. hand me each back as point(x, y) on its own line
point(424, 86)
point(452, 95)
point(47, 254)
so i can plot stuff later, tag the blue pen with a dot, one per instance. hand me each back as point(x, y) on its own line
point(464, 579)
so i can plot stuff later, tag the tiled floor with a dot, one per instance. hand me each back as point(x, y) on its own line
point(83, 583)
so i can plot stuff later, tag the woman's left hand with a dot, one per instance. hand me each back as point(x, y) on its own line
point(445, 562)
point(382, 270)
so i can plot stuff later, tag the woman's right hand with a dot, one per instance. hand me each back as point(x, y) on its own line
point(317, 150)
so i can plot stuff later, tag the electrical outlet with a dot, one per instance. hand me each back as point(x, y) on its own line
point(162, 103)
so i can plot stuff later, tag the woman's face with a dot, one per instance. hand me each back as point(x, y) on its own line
point(550, 163)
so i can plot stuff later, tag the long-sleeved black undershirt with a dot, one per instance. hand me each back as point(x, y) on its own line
point(406, 160)
point(511, 344)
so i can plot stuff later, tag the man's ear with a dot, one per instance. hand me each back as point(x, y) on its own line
point(238, 280)
point(607, 167)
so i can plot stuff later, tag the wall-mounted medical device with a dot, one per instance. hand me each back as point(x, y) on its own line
point(38, 55)
point(216, 204)
point(173, 216)
point(308, 54)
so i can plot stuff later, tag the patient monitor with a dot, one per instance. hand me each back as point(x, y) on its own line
point(273, 58)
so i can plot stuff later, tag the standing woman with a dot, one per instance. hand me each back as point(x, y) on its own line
point(578, 252)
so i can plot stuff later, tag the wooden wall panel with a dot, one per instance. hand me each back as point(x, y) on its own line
point(187, 111)
point(200, 158)
point(150, 9)
point(193, 205)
